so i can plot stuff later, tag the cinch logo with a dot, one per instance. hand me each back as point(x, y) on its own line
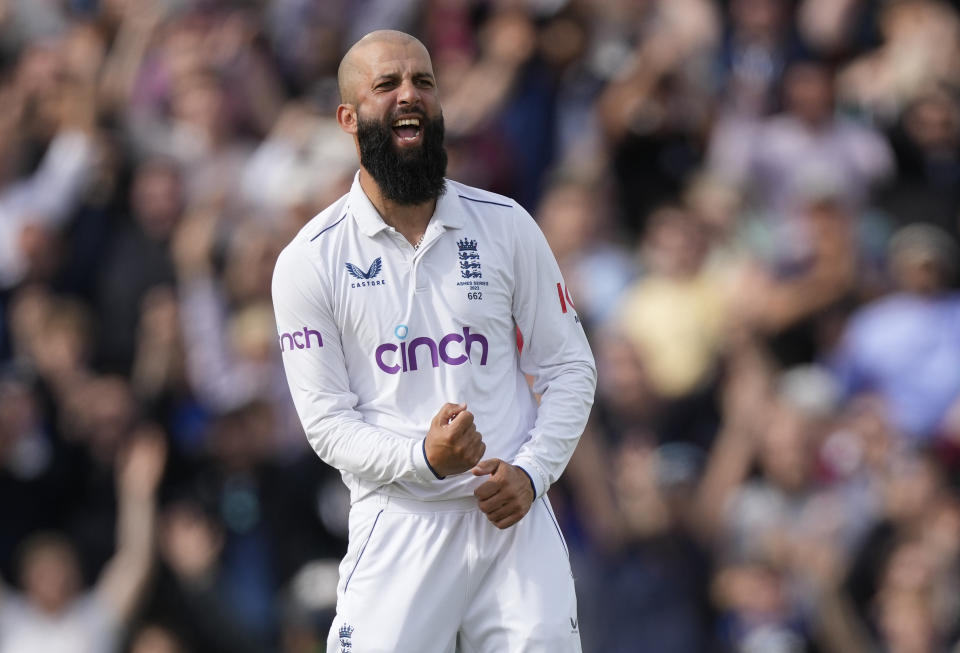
point(439, 351)
point(293, 340)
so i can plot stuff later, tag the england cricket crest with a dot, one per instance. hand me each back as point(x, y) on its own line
point(346, 644)
point(469, 259)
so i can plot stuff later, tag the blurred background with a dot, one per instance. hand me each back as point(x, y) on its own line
point(755, 204)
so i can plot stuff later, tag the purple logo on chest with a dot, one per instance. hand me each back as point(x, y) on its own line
point(451, 349)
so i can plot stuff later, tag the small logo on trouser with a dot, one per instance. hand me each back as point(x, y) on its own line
point(346, 632)
point(573, 625)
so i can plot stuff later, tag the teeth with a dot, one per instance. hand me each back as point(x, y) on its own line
point(412, 122)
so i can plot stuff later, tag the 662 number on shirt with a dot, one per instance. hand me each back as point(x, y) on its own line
point(475, 295)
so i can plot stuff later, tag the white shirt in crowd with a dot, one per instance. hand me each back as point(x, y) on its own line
point(85, 626)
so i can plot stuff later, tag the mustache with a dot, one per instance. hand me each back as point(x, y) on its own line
point(408, 113)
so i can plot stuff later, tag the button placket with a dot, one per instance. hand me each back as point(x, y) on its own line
point(430, 237)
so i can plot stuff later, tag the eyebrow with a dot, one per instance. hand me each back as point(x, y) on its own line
point(386, 77)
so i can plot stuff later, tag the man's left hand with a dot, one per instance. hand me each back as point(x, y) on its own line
point(506, 496)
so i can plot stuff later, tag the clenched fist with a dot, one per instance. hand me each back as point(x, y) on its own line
point(507, 495)
point(453, 444)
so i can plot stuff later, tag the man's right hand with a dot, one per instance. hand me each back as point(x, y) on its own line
point(453, 443)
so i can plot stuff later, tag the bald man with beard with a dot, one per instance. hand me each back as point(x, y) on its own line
point(398, 309)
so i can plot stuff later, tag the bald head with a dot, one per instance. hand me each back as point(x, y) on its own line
point(356, 64)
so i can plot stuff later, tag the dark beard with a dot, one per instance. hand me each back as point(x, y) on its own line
point(406, 177)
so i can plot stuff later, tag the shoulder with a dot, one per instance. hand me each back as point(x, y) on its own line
point(317, 232)
point(481, 199)
point(323, 224)
point(308, 245)
point(498, 214)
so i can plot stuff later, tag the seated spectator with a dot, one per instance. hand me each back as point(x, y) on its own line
point(190, 592)
point(675, 314)
point(595, 267)
point(41, 103)
point(779, 157)
point(137, 259)
point(230, 355)
point(797, 301)
point(32, 474)
point(926, 141)
point(53, 614)
point(906, 347)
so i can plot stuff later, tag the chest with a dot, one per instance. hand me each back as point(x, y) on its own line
point(385, 291)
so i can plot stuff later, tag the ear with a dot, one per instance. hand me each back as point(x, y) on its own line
point(347, 118)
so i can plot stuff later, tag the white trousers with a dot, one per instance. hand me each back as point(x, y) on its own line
point(438, 577)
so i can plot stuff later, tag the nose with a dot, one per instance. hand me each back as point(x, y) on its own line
point(408, 94)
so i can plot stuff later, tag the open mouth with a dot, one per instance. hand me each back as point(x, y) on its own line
point(408, 130)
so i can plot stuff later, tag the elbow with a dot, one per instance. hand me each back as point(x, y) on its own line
point(577, 376)
point(592, 365)
point(586, 373)
point(322, 436)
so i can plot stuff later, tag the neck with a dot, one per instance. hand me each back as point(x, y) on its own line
point(409, 220)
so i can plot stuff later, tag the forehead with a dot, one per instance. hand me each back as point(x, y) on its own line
point(395, 58)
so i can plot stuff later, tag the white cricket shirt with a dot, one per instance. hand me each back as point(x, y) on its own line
point(377, 335)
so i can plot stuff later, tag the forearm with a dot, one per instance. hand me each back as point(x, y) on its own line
point(126, 573)
point(211, 368)
point(790, 302)
point(122, 65)
point(138, 477)
point(54, 188)
point(727, 467)
point(561, 418)
point(152, 369)
point(135, 527)
point(838, 627)
point(588, 474)
point(372, 454)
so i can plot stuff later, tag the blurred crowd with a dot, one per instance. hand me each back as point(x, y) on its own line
point(756, 207)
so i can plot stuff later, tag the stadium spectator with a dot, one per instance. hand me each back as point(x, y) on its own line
point(926, 142)
point(54, 613)
point(191, 592)
point(905, 346)
point(675, 314)
point(137, 259)
point(595, 266)
point(805, 146)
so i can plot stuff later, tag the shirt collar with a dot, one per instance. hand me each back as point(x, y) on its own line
point(447, 212)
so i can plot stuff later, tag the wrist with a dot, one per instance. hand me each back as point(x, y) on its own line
point(533, 487)
point(426, 458)
point(135, 496)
